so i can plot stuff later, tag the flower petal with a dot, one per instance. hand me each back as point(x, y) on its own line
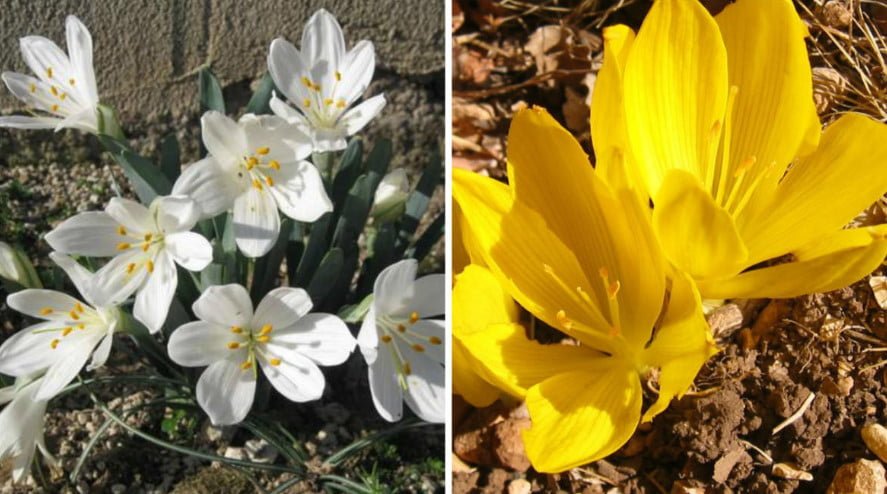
point(394, 288)
point(225, 305)
point(297, 377)
point(323, 338)
point(466, 381)
point(79, 275)
point(287, 68)
point(132, 215)
point(299, 192)
point(324, 46)
point(226, 392)
point(79, 43)
point(256, 222)
point(212, 186)
point(120, 277)
point(190, 250)
point(175, 213)
point(675, 92)
point(286, 143)
point(426, 392)
point(43, 304)
point(89, 234)
point(24, 122)
point(223, 138)
point(66, 367)
point(358, 117)
point(155, 296)
point(357, 71)
point(384, 386)
point(290, 114)
point(199, 343)
point(431, 334)
point(282, 308)
point(579, 417)
point(696, 234)
point(41, 54)
point(28, 351)
point(101, 353)
point(368, 337)
point(429, 298)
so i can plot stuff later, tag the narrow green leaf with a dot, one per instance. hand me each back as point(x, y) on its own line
point(379, 159)
point(210, 92)
point(170, 162)
point(147, 179)
point(428, 238)
point(353, 314)
point(318, 244)
point(267, 270)
point(383, 254)
point(407, 424)
point(259, 104)
point(418, 201)
point(354, 213)
point(349, 169)
point(325, 276)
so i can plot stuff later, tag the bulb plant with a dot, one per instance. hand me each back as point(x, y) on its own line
point(246, 262)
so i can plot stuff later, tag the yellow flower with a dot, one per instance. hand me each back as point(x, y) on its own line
point(713, 119)
point(580, 256)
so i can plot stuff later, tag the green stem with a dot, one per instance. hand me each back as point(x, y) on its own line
point(108, 122)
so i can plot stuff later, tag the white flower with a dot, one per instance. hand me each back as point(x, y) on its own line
point(72, 331)
point(409, 365)
point(21, 426)
point(255, 166)
point(15, 266)
point(391, 195)
point(323, 81)
point(146, 244)
point(64, 89)
point(281, 337)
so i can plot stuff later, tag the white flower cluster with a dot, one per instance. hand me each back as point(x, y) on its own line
point(255, 167)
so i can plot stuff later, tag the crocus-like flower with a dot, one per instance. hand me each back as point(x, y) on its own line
point(323, 80)
point(405, 351)
point(716, 123)
point(15, 266)
point(146, 244)
point(254, 166)
point(21, 426)
point(281, 337)
point(391, 195)
point(72, 331)
point(581, 257)
point(64, 88)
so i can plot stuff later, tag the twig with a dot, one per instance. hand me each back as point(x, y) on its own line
point(795, 416)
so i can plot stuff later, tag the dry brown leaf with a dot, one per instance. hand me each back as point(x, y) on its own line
point(458, 15)
point(471, 66)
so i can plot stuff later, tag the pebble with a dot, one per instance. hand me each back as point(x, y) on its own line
point(259, 451)
point(875, 437)
point(861, 476)
point(791, 471)
point(235, 453)
point(519, 486)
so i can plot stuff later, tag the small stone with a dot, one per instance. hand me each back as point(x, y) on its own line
point(259, 451)
point(216, 434)
point(791, 471)
point(860, 476)
point(118, 488)
point(879, 288)
point(836, 13)
point(519, 486)
point(235, 453)
point(875, 437)
point(684, 487)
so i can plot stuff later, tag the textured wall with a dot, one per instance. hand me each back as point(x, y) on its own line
point(147, 52)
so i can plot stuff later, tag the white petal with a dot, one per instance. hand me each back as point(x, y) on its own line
point(256, 222)
point(211, 185)
point(24, 122)
point(357, 71)
point(323, 46)
point(155, 296)
point(199, 343)
point(328, 140)
point(429, 297)
point(226, 392)
point(33, 302)
point(285, 142)
point(85, 120)
point(290, 114)
point(426, 394)
point(386, 390)
point(299, 192)
point(41, 54)
point(356, 118)
point(35, 93)
point(190, 250)
point(223, 138)
point(432, 337)
point(281, 308)
point(297, 378)
point(224, 305)
point(101, 353)
point(80, 51)
point(287, 69)
point(89, 234)
point(175, 213)
point(323, 338)
point(29, 350)
point(393, 288)
point(115, 282)
point(132, 215)
point(368, 337)
point(21, 429)
point(79, 275)
point(66, 368)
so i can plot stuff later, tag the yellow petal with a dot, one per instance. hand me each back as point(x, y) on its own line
point(696, 234)
point(681, 345)
point(514, 363)
point(834, 261)
point(822, 192)
point(579, 417)
point(603, 228)
point(675, 92)
point(608, 133)
point(767, 61)
point(478, 301)
point(463, 242)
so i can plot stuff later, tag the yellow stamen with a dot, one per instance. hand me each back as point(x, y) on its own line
point(54, 108)
point(54, 343)
point(269, 181)
point(419, 348)
point(49, 72)
point(78, 307)
point(401, 328)
point(328, 101)
point(150, 266)
point(130, 267)
point(146, 246)
point(33, 88)
point(265, 329)
point(67, 331)
point(563, 320)
point(45, 311)
point(233, 345)
point(257, 184)
point(407, 369)
point(148, 237)
point(386, 338)
point(74, 315)
point(612, 289)
point(53, 90)
point(338, 76)
point(251, 162)
point(307, 82)
point(274, 164)
point(414, 317)
point(81, 326)
point(246, 364)
point(275, 362)
point(71, 81)
point(341, 104)
point(263, 339)
point(121, 230)
point(123, 246)
point(263, 150)
point(236, 329)
point(63, 96)
point(435, 340)
point(306, 103)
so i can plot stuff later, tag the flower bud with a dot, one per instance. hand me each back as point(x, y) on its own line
point(15, 266)
point(391, 196)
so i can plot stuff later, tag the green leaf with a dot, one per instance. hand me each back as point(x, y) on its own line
point(379, 159)
point(354, 214)
point(418, 201)
point(259, 104)
point(383, 255)
point(326, 275)
point(428, 238)
point(210, 92)
point(294, 250)
point(353, 314)
point(318, 243)
point(146, 178)
point(267, 269)
point(170, 163)
point(349, 169)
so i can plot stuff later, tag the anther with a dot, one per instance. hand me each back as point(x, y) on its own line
point(236, 329)
point(563, 320)
point(434, 340)
point(54, 108)
point(74, 315)
point(123, 246)
point(341, 104)
point(414, 317)
point(33, 88)
point(53, 90)
point(419, 348)
point(407, 369)
point(146, 246)
point(54, 343)
point(246, 365)
point(63, 96)
point(71, 81)
point(306, 103)
point(233, 345)
point(257, 184)
point(263, 339)
point(251, 162)
point(265, 329)
point(49, 72)
point(263, 150)
point(307, 82)
point(81, 326)
point(386, 338)
point(744, 165)
point(150, 266)
point(613, 289)
point(401, 328)
point(148, 237)
point(328, 101)
point(67, 331)
point(275, 362)
point(130, 267)
point(78, 307)
point(45, 311)
point(121, 230)
point(274, 164)
point(338, 76)
point(269, 181)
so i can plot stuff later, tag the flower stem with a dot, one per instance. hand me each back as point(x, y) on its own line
point(108, 123)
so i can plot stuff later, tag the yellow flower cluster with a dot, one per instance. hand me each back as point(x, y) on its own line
point(710, 160)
